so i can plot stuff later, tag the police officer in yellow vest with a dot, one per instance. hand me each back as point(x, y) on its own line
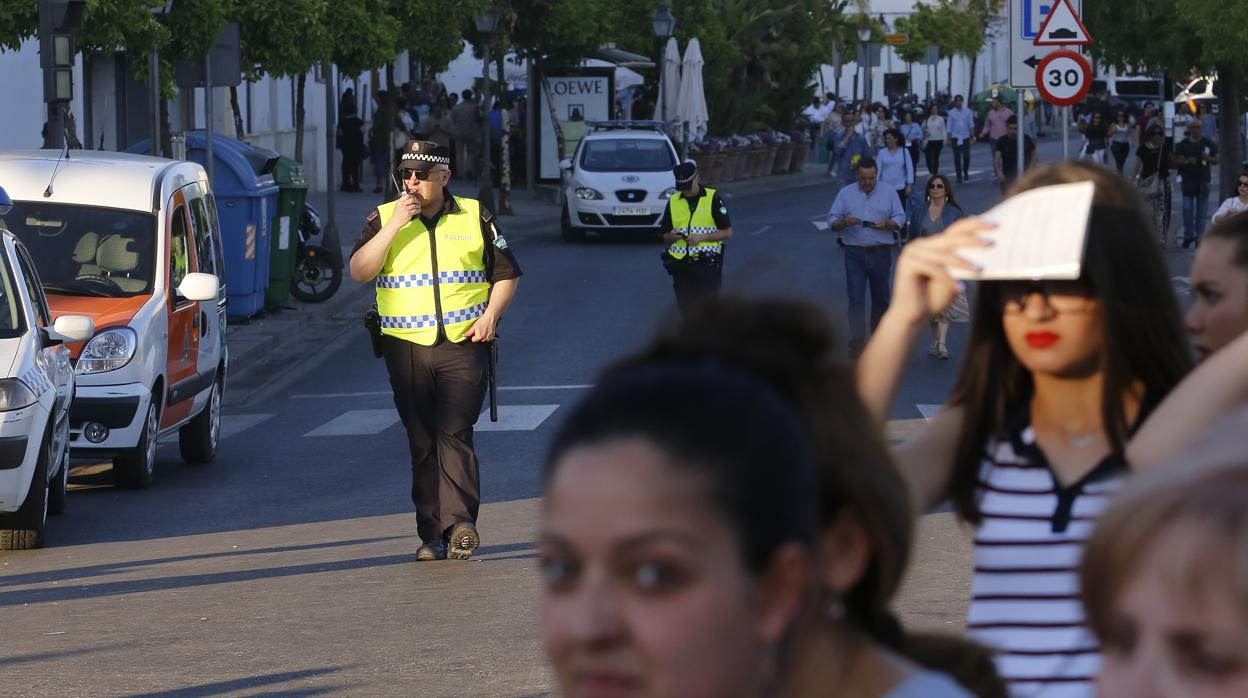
point(444, 277)
point(695, 227)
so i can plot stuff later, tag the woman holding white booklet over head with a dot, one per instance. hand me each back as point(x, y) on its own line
point(1059, 374)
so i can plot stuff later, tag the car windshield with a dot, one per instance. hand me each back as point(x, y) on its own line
point(11, 315)
point(626, 155)
point(87, 250)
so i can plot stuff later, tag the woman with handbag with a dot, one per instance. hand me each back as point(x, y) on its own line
point(937, 211)
point(1152, 176)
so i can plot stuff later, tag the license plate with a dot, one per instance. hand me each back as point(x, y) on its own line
point(631, 210)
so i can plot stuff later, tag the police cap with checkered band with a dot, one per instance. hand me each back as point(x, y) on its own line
point(423, 155)
point(684, 173)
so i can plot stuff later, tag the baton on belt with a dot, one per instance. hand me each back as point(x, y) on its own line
point(493, 371)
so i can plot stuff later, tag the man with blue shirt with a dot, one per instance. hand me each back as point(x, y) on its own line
point(961, 124)
point(866, 218)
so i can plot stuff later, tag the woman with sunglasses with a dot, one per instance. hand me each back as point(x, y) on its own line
point(1234, 204)
point(937, 211)
point(1120, 132)
point(1033, 441)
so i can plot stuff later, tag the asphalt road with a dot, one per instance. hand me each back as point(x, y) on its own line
point(286, 568)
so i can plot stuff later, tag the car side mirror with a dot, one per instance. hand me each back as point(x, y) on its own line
point(197, 286)
point(565, 164)
point(71, 328)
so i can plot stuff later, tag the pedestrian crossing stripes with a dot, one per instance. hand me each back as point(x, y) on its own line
point(516, 418)
point(357, 423)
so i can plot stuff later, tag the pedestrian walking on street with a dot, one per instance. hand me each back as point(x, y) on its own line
point(936, 134)
point(1095, 138)
point(444, 278)
point(1005, 154)
point(675, 558)
point(847, 636)
point(961, 133)
point(850, 149)
point(1165, 577)
point(938, 210)
point(1219, 283)
point(1192, 157)
point(466, 119)
point(1152, 177)
point(995, 122)
point(896, 167)
point(695, 226)
point(1058, 375)
point(350, 139)
point(912, 135)
point(1235, 204)
point(1120, 140)
point(866, 217)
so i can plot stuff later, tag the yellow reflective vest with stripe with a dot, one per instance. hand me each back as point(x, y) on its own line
point(699, 220)
point(425, 283)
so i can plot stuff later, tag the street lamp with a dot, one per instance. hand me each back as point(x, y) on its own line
point(664, 22)
point(487, 24)
point(864, 52)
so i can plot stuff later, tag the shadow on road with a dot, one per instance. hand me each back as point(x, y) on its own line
point(218, 688)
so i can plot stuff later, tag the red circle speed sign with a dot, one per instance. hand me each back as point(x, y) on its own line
point(1063, 77)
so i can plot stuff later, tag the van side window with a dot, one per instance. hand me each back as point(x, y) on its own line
point(205, 257)
point(218, 253)
point(179, 246)
point(34, 289)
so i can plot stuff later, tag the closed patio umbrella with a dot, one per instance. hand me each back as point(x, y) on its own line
point(691, 104)
point(669, 91)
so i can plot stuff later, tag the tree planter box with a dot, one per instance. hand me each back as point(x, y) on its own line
point(732, 164)
point(784, 153)
point(769, 159)
point(709, 166)
point(800, 148)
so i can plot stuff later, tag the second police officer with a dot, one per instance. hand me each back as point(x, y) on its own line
point(444, 277)
point(695, 226)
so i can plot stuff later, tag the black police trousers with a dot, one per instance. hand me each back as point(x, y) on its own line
point(439, 391)
point(695, 283)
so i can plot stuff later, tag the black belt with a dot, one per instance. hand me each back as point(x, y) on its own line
point(872, 248)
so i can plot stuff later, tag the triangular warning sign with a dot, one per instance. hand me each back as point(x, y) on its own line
point(1062, 27)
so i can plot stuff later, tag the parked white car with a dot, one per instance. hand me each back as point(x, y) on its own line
point(619, 178)
point(36, 392)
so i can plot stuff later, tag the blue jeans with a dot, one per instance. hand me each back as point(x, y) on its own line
point(1195, 213)
point(866, 268)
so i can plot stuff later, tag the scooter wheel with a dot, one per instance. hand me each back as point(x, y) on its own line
point(317, 275)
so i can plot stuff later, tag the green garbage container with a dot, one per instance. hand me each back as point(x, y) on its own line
point(292, 192)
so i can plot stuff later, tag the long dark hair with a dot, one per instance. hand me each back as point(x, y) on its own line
point(1234, 229)
point(1144, 343)
point(718, 422)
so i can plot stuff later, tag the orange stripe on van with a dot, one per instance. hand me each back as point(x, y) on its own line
point(104, 312)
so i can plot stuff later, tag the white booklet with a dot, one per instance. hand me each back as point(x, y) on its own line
point(1040, 234)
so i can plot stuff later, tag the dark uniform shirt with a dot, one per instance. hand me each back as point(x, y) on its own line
point(718, 210)
point(500, 262)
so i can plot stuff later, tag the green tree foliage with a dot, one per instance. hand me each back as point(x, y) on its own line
point(19, 20)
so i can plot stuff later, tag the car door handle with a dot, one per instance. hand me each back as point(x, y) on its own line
point(195, 321)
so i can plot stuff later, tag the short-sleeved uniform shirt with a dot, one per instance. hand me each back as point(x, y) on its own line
point(500, 261)
point(719, 211)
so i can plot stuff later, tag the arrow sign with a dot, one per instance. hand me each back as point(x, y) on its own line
point(1032, 62)
point(1062, 27)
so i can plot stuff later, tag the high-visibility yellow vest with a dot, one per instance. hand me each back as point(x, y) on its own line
point(426, 282)
point(699, 220)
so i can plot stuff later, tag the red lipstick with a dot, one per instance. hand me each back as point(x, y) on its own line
point(1042, 340)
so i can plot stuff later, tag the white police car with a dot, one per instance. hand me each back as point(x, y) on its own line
point(36, 390)
point(619, 178)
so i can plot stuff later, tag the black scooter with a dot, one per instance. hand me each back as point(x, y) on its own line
point(318, 270)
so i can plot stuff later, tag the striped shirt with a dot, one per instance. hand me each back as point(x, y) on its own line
point(1025, 593)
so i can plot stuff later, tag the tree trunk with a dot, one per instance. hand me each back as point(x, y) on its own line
point(949, 78)
point(1230, 138)
point(390, 114)
point(239, 132)
point(299, 85)
point(970, 86)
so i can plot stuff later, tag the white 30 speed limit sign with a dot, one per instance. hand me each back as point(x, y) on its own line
point(1063, 77)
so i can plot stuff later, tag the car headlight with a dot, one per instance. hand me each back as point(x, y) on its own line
point(588, 193)
point(14, 395)
point(107, 351)
point(668, 193)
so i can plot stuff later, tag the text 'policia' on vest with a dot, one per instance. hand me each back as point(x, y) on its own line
point(435, 280)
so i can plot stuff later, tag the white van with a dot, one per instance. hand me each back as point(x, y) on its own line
point(133, 243)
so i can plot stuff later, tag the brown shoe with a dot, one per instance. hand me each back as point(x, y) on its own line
point(431, 551)
point(462, 540)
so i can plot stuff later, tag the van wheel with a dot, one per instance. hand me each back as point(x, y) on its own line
point(566, 230)
point(23, 529)
point(58, 489)
point(198, 439)
point(135, 468)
